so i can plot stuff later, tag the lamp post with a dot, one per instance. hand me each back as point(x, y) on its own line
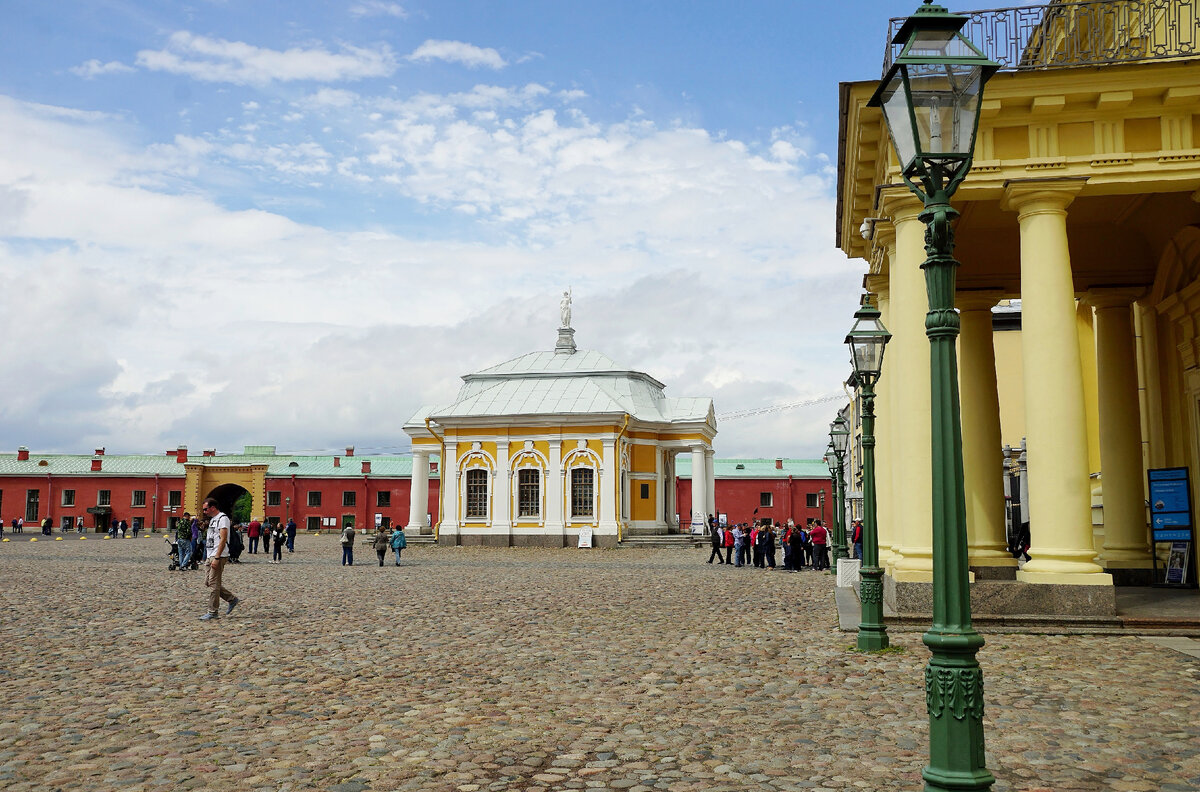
point(867, 340)
point(839, 438)
point(930, 99)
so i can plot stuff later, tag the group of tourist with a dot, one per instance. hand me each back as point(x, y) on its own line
point(751, 544)
point(381, 543)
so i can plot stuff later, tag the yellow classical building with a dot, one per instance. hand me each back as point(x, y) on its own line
point(1083, 204)
point(553, 445)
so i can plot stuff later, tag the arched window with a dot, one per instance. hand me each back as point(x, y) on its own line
point(477, 494)
point(529, 492)
point(583, 502)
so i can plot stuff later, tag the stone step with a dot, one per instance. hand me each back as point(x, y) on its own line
point(664, 540)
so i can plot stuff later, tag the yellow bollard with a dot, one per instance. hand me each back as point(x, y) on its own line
point(58, 538)
point(33, 539)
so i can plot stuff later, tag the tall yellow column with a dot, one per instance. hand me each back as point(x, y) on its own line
point(983, 449)
point(1126, 544)
point(911, 511)
point(878, 285)
point(1059, 491)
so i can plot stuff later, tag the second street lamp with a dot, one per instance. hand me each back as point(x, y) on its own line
point(930, 98)
point(867, 340)
point(839, 438)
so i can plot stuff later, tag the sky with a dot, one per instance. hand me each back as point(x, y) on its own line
point(294, 223)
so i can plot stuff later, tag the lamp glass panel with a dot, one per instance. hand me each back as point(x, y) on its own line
point(945, 101)
point(894, 102)
point(831, 460)
point(865, 357)
point(938, 43)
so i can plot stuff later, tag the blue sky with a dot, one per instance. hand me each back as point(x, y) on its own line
point(296, 222)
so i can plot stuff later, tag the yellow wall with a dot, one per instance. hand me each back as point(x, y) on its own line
point(641, 508)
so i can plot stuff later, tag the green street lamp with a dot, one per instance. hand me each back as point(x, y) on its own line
point(930, 99)
point(867, 340)
point(839, 438)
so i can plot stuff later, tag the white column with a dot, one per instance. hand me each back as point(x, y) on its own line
point(554, 490)
point(418, 492)
point(502, 494)
point(710, 479)
point(671, 484)
point(451, 495)
point(660, 478)
point(606, 491)
point(699, 489)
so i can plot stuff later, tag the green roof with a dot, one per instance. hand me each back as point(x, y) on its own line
point(314, 466)
point(278, 465)
point(757, 468)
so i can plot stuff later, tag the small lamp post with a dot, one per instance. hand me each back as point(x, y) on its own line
point(839, 438)
point(930, 99)
point(867, 340)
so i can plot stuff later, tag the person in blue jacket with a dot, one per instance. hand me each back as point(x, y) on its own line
point(399, 542)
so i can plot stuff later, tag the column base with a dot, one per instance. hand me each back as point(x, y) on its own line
point(913, 565)
point(1064, 578)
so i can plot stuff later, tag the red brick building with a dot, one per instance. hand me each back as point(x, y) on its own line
point(325, 491)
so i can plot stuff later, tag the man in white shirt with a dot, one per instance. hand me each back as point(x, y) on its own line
point(217, 545)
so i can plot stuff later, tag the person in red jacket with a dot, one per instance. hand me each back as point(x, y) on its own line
point(254, 530)
point(727, 536)
point(820, 540)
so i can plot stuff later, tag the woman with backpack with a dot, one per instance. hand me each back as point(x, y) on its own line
point(278, 537)
point(348, 545)
point(399, 542)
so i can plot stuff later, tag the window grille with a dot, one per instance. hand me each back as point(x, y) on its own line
point(477, 494)
point(529, 493)
point(582, 489)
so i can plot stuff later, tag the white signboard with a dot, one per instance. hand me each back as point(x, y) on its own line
point(585, 537)
point(378, 520)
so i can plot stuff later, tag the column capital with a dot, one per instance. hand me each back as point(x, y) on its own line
point(1032, 196)
point(899, 204)
point(877, 285)
point(1114, 296)
point(977, 299)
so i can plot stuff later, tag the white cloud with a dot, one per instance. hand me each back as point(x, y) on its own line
point(708, 263)
point(371, 8)
point(458, 52)
point(91, 69)
point(218, 60)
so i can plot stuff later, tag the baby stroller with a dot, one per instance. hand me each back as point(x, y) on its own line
point(172, 552)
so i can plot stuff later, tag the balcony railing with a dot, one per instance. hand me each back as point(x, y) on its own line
point(1085, 33)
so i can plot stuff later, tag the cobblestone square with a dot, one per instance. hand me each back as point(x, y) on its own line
point(473, 669)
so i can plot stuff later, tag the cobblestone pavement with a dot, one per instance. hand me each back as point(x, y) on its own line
point(470, 669)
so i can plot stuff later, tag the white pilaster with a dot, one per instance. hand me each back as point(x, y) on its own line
point(554, 490)
point(606, 491)
point(452, 495)
point(502, 492)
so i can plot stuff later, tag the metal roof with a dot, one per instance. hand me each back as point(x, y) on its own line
point(278, 465)
point(558, 383)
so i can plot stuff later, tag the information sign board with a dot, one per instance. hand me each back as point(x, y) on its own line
point(1171, 521)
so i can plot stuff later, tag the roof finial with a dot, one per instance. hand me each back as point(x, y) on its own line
point(566, 335)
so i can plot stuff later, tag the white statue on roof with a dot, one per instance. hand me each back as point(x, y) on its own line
point(564, 309)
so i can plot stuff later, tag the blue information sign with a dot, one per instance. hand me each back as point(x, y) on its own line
point(1171, 518)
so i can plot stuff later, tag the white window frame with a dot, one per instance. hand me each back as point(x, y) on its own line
point(482, 475)
point(68, 502)
point(133, 499)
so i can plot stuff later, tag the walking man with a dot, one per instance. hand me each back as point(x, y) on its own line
point(291, 535)
point(217, 545)
point(717, 544)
